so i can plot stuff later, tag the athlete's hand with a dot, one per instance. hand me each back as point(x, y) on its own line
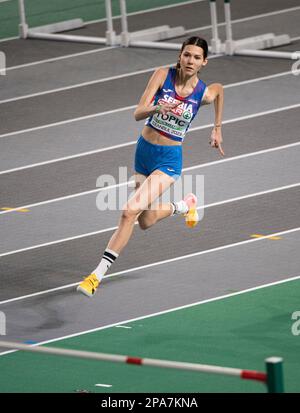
point(216, 140)
point(168, 107)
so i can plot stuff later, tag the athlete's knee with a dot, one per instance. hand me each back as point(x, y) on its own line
point(146, 220)
point(144, 223)
point(129, 214)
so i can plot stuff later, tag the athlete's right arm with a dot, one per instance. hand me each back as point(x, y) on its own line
point(145, 107)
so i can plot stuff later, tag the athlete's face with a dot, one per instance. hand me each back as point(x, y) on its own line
point(192, 59)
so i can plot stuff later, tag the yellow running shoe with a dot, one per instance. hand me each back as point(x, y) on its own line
point(89, 285)
point(191, 217)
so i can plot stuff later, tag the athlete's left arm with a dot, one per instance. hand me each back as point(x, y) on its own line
point(215, 93)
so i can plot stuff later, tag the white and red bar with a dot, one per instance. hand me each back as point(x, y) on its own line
point(204, 368)
point(243, 374)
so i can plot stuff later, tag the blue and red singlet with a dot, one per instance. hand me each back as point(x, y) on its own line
point(175, 124)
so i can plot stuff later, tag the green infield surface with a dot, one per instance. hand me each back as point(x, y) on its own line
point(42, 12)
point(238, 331)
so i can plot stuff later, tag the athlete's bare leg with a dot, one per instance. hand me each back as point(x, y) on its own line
point(155, 212)
point(146, 194)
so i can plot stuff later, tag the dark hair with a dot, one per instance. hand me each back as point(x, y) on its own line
point(196, 41)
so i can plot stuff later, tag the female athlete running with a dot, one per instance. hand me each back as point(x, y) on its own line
point(170, 102)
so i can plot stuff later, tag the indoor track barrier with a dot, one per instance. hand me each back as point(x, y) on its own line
point(152, 37)
point(272, 378)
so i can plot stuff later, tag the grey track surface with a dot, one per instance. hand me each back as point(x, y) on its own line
point(63, 263)
point(148, 291)
point(190, 16)
point(86, 100)
point(86, 68)
point(16, 186)
point(221, 182)
point(101, 132)
point(138, 292)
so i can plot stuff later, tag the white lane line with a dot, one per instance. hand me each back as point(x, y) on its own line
point(101, 231)
point(190, 168)
point(79, 54)
point(246, 155)
point(94, 115)
point(287, 10)
point(7, 39)
point(103, 385)
point(107, 188)
point(54, 59)
point(240, 20)
point(143, 267)
point(196, 254)
point(258, 16)
point(119, 16)
point(83, 84)
point(46, 244)
point(170, 310)
point(65, 158)
point(241, 198)
point(62, 198)
point(268, 14)
point(245, 19)
point(258, 79)
point(116, 77)
point(65, 122)
point(123, 145)
point(151, 10)
point(124, 327)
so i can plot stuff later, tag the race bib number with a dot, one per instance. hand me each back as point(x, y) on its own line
point(175, 122)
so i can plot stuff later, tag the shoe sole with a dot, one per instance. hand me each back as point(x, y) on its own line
point(194, 222)
point(193, 211)
point(83, 291)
